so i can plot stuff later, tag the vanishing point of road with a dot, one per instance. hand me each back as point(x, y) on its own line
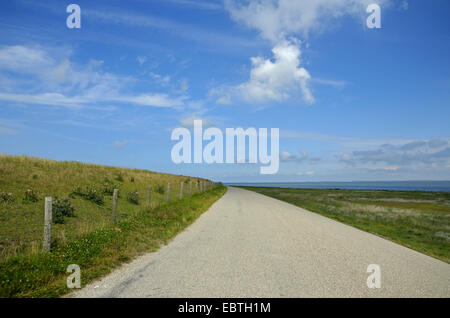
point(250, 245)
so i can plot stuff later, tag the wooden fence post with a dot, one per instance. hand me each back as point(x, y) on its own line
point(114, 209)
point(181, 190)
point(196, 186)
point(47, 223)
point(168, 192)
point(190, 188)
point(149, 195)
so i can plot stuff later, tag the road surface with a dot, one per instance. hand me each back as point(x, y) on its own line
point(250, 245)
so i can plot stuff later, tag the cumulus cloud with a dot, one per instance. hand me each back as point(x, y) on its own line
point(282, 22)
point(275, 80)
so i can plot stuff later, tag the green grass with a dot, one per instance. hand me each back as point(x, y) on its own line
point(417, 219)
point(21, 222)
point(89, 239)
point(98, 252)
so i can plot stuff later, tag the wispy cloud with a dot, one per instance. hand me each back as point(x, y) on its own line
point(173, 28)
point(278, 19)
point(65, 84)
point(422, 152)
point(198, 4)
point(339, 84)
point(286, 156)
point(8, 131)
point(120, 144)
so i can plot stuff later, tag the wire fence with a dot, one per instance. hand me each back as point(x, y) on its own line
point(22, 226)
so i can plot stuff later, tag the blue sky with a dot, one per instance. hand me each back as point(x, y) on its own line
point(351, 103)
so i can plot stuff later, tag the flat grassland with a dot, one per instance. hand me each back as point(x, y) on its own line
point(417, 219)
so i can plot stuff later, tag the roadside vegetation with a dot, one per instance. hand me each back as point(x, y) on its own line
point(82, 231)
point(82, 198)
point(417, 219)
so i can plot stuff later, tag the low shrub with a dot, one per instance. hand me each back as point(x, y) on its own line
point(109, 186)
point(89, 193)
point(30, 197)
point(160, 189)
point(62, 208)
point(6, 197)
point(119, 177)
point(133, 197)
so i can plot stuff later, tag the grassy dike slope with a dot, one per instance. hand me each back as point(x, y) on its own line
point(99, 249)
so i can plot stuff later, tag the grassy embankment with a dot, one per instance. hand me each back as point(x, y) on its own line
point(417, 219)
point(88, 239)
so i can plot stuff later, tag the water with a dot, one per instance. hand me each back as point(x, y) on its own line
point(359, 185)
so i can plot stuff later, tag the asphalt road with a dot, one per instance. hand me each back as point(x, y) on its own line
point(250, 245)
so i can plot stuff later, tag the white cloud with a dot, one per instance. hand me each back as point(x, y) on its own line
point(95, 63)
point(54, 99)
point(22, 58)
point(418, 152)
point(8, 131)
point(60, 72)
point(280, 22)
point(162, 79)
point(205, 5)
point(278, 19)
point(275, 80)
point(329, 82)
point(286, 156)
point(141, 60)
point(224, 100)
point(120, 144)
point(155, 100)
point(405, 5)
point(64, 84)
point(184, 84)
point(204, 36)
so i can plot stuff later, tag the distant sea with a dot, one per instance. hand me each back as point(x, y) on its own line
point(359, 185)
